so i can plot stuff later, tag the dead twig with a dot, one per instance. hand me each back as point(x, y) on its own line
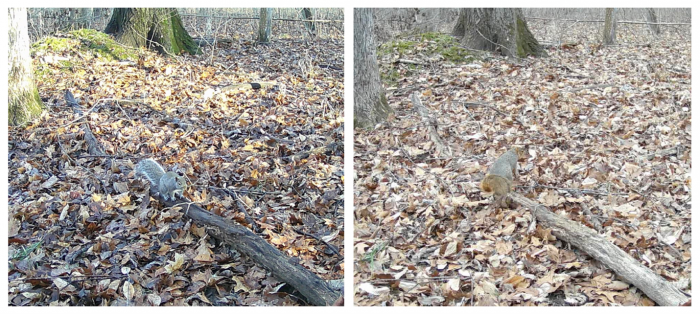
point(330, 246)
point(432, 126)
point(574, 191)
point(573, 90)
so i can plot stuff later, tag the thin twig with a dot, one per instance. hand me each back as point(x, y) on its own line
point(584, 191)
point(330, 246)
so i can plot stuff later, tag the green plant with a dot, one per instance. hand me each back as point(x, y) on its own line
point(371, 256)
point(24, 251)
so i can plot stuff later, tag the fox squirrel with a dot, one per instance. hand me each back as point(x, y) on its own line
point(500, 178)
point(168, 183)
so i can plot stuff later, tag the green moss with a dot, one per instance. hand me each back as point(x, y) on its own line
point(526, 44)
point(392, 47)
point(78, 42)
point(75, 52)
point(431, 36)
point(103, 46)
point(24, 106)
point(446, 46)
point(390, 77)
point(53, 44)
point(434, 43)
point(456, 54)
point(427, 44)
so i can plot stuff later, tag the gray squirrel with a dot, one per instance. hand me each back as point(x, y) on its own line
point(168, 183)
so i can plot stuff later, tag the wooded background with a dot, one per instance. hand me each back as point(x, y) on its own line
point(552, 21)
point(200, 22)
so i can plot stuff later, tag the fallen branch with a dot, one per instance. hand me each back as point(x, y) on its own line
point(316, 290)
point(574, 191)
point(317, 238)
point(241, 86)
point(473, 104)
point(675, 150)
point(334, 148)
point(432, 125)
point(592, 219)
point(573, 90)
point(602, 21)
point(632, 271)
point(409, 62)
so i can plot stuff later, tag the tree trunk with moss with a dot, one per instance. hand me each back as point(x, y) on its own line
point(265, 25)
point(158, 28)
point(371, 106)
point(609, 28)
point(497, 29)
point(23, 97)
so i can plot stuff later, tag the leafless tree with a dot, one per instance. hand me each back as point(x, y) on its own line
point(371, 106)
point(23, 96)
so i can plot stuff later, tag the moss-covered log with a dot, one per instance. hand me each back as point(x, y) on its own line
point(157, 28)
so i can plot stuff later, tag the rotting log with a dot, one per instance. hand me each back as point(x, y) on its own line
point(629, 269)
point(314, 289)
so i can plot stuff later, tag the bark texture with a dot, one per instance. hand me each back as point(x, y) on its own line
point(23, 97)
point(265, 25)
point(629, 269)
point(609, 28)
point(371, 106)
point(158, 28)
point(651, 18)
point(497, 29)
point(309, 24)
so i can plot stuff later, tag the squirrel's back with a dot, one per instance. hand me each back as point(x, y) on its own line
point(150, 169)
point(499, 179)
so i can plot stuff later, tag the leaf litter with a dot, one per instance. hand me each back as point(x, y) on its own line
point(610, 127)
point(83, 231)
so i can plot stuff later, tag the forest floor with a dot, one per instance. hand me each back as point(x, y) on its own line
point(607, 130)
point(81, 229)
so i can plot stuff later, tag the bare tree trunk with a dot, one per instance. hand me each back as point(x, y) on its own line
point(371, 106)
point(493, 29)
point(23, 97)
point(609, 28)
point(160, 28)
point(310, 26)
point(265, 25)
point(651, 18)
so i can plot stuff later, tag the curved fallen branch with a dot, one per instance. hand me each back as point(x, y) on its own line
point(315, 289)
point(656, 288)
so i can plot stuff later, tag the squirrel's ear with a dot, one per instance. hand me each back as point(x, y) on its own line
point(180, 173)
